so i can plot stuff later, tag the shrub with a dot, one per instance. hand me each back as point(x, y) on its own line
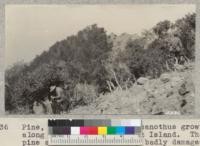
point(84, 94)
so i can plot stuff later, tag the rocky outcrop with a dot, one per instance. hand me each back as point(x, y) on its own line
point(165, 77)
point(142, 80)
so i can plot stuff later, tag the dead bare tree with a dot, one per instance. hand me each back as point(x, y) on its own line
point(116, 80)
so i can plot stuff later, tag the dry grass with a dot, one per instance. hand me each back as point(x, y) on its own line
point(153, 97)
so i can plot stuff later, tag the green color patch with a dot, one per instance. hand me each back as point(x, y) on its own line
point(111, 130)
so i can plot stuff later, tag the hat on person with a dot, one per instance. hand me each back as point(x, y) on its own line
point(52, 88)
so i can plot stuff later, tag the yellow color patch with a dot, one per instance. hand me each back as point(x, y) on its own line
point(102, 130)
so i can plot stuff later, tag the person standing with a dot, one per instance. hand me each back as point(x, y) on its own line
point(55, 100)
point(60, 103)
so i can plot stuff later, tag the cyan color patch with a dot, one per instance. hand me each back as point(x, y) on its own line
point(120, 130)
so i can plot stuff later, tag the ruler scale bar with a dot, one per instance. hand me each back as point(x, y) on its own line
point(94, 140)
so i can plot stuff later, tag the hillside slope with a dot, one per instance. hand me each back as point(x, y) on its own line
point(172, 92)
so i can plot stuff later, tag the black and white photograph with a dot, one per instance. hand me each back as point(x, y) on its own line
point(100, 59)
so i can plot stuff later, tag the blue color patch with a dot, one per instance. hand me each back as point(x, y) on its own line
point(130, 130)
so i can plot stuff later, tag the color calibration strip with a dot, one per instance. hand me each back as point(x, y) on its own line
point(92, 122)
point(94, 127)
point(94, 132)
point(111, 130)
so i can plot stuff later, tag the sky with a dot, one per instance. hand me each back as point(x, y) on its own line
point(31, 29)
